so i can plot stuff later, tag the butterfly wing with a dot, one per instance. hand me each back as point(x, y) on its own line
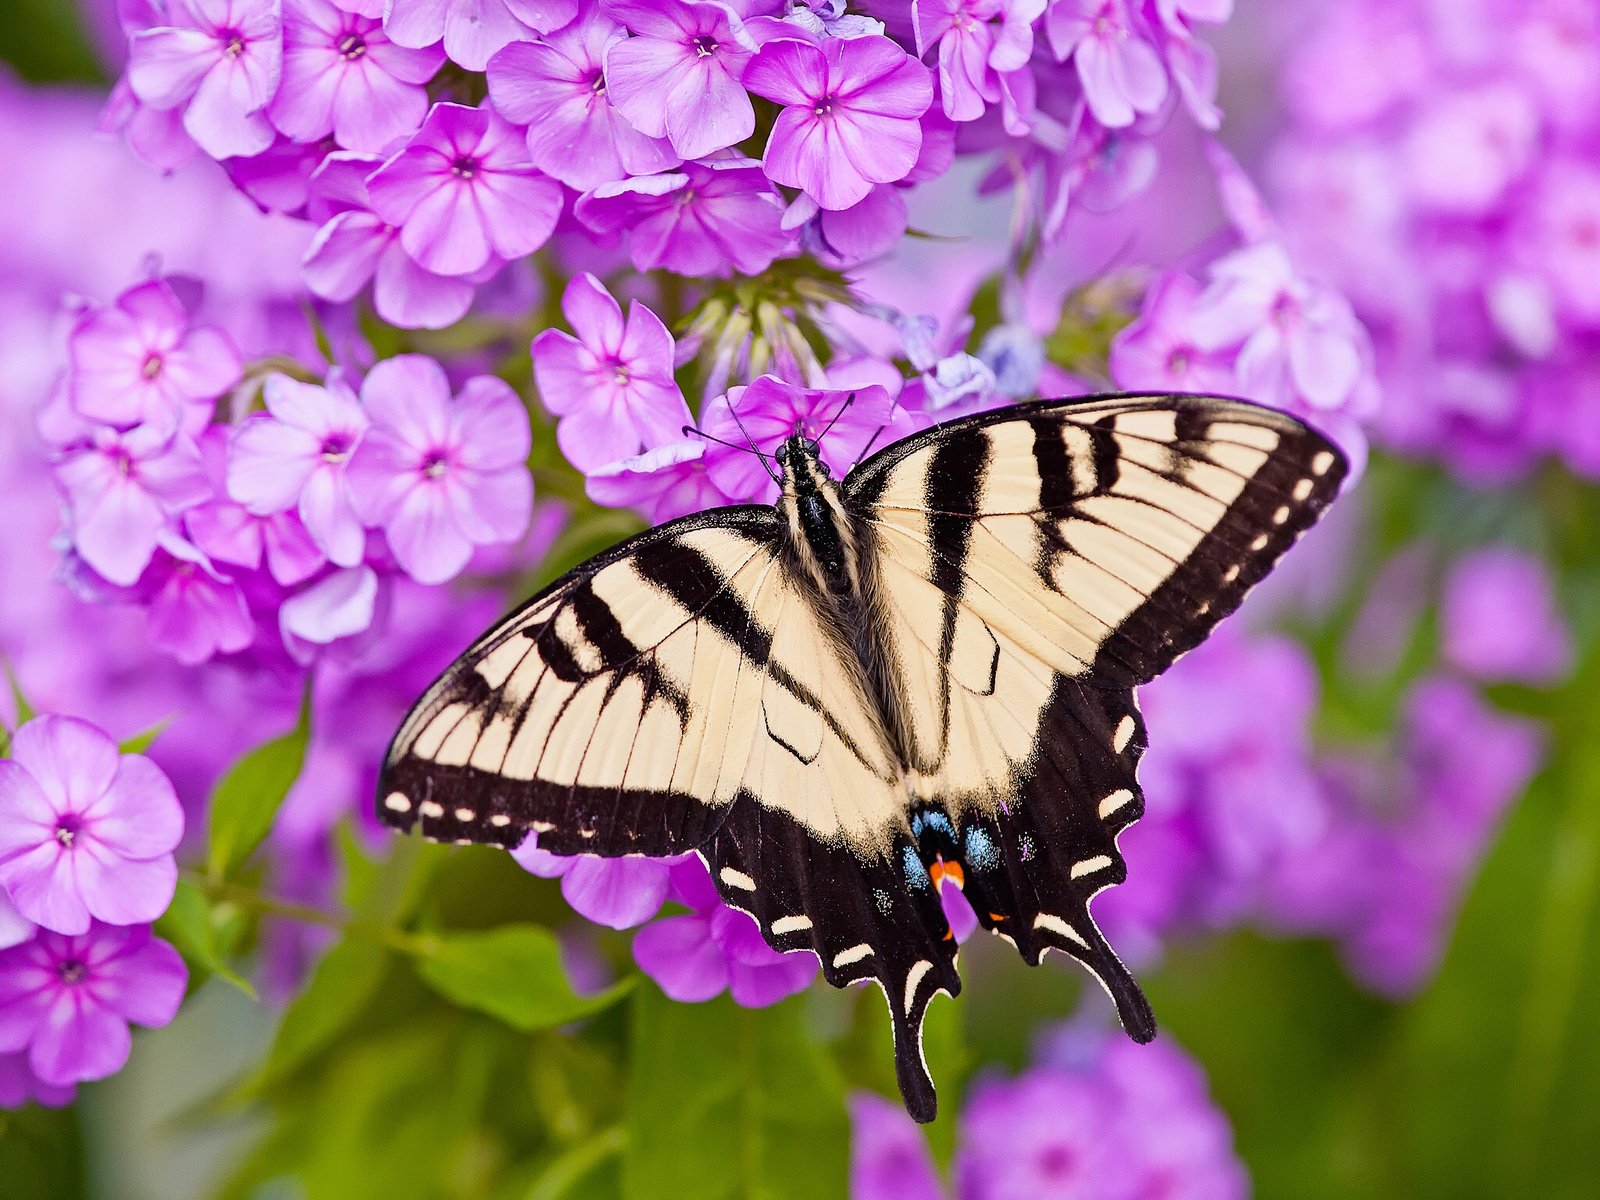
point(685, 692)
point(1032, 566)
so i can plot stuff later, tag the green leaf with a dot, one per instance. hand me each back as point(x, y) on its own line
point(42, 1154)
point(729, 1103)
point(513, 973)
point(190, 925)
point(140, 742)
point(344, 982)
point(248, 797)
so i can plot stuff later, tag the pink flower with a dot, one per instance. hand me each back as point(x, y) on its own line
point(68, 1000)
point(463, 192)
point(1158, 351)
point(194, 612)
point(227, 532)
point(123, 490)
point(973, 51)
point(850, 118)
point(678, 77)
point(355, 247)
point(715, 949)
point(1297, 341)
point(139, 359)
point(14, 927)
point(612, 384)
point(711, 218)
point(85, 832)
point(473, 30)
point(220, 58)
point(295, 456)
point(19, 1085)
point(441, 476)
point(616, 892)
point(666, 482)
point(557, 88)
point(342, 75)
point(1121, 72)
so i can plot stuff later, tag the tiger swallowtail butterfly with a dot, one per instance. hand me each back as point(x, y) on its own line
point(918, 675)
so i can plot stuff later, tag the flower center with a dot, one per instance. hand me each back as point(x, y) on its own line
point(336, 447)
point(152, 365)
point(71, 971)
point(619, 372)
point(67, 831)
point(705, 46)
point(824, 107)
point(120, 460)
point(232, 42)
point(1178, 361)
point(1056, 1162)
point(1285, 311)
point(597, 85)
point(435, 463)
point(352, 46)
point(464, 167)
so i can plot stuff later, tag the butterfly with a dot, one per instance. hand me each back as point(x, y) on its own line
point(920, 675)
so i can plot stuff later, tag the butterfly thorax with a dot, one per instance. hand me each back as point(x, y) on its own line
point(820, 529)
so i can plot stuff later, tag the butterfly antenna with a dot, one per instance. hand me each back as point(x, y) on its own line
point(867, 449)
point(843, 408)
point(751, 448)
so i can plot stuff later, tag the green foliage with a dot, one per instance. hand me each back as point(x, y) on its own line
point(731, 1104)
point(45, 41)
point(513, 973)
point(248, 797)
point(203, 935)
point(143, 740)
point(41, 1154)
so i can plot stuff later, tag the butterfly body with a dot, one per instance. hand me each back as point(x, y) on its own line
point(917, 677)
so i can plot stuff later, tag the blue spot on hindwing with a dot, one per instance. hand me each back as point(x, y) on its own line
point(916, 873)
point(981, 852)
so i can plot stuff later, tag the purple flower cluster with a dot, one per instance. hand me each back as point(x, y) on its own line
point(1256, 326)
point(87, 837)
point(280, 532)
point(1441, 169)
point(1093, 1117)
point(638, 120)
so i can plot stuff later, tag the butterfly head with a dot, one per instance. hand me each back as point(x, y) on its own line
point(801, 457)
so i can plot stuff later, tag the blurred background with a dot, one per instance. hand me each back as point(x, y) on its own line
point(1365, 902)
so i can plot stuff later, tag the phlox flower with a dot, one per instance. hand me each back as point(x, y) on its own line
point(193, 611)
point(1297, 340)
point(68, 1000)
point(609, 381)
point(846, 237)
point(678, 76)
point(19, 1085)
point(557, 88)
point(709, 218)
point(472, 30)
point(339, 605)
point(715, 949)
point(1159, 352)
point(850, 116)
point(464, 194)
point(355, 247)
point(973, 49)
point(343, 75)
point(1499, 620)
point(225, 531)
point(221, 61)
point(670, 480)
point(889, 1155)
point(441, 476)
point(138, 359)
point(84, 832)
point(295, 456)
point(1121, 72)
point(14, 927)
point(123, 489)
point(616, 892)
